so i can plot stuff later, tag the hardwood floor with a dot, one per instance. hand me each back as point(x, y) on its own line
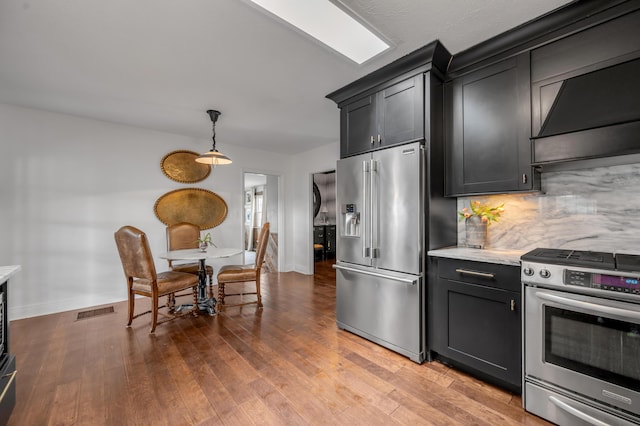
point(284, 364)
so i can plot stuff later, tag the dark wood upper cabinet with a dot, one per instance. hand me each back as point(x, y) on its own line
point(488, 130)
point(401, 112)
point(397, 104)
point(392, 116)
point(357, 126)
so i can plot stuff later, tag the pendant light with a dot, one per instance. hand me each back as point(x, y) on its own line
point(214, 157)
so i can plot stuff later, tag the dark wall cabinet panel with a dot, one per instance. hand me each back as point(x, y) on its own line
point(358, 121)
point(488, 130)
point(392, 116)
point(610, 43)
point(401, 118)
point(474, 319)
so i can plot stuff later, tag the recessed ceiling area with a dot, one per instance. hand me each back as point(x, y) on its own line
point(161, 64)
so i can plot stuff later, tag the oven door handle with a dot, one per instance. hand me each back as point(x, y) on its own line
point(577, 413)
point(617, 313)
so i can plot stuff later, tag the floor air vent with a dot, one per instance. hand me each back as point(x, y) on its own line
point(95, 312)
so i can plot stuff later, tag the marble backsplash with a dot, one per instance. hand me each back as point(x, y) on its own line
point(590, 209)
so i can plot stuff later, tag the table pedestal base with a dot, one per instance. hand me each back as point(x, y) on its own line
point(208, 305)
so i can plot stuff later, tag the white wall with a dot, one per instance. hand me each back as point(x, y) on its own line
point(68, 183)
point(305, 165)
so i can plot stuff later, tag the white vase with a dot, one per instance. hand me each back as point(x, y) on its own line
point(476, 232)
point(203, 246)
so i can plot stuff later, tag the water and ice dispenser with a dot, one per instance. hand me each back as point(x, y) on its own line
point(350, 220)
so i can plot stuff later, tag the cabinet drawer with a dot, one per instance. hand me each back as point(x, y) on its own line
point(504, 277)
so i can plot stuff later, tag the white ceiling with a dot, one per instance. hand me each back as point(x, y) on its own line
point(160, 64)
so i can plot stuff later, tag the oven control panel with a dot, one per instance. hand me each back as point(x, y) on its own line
point(623, 284)
point(606, 283)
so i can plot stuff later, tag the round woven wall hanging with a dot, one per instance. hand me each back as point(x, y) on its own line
point(194, 205)
point(182, 167)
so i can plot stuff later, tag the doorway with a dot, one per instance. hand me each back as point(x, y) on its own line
point(324, 221)
point(260, 205)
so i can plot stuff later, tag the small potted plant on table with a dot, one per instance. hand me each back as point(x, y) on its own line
point(204, 242)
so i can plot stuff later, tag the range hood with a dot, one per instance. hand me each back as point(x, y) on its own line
point(594, 115)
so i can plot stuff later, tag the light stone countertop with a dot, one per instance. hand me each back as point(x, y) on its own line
point(504, 257)
point(7, 272)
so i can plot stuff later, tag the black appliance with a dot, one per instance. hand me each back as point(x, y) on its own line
point(582, 336)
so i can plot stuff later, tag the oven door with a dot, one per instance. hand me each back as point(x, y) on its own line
point(585, 345)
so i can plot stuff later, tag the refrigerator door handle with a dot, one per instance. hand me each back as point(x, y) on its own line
point(375, 274)
point(373, 213)
point(366, 250)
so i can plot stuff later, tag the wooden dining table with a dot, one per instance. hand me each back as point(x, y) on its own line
point(205, 302)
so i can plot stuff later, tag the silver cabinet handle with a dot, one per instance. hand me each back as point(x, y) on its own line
point(475, 273)
point(373, 141)
point(524, 178)
point(513, 305)
point(379, 138)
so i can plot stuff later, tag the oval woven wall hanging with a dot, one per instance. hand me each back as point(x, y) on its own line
point(182, 167)
point(194, 205)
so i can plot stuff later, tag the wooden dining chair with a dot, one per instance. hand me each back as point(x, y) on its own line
point(182, 236)
point(143, 280)
point(244, 273)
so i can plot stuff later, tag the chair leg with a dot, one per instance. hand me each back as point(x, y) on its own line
point(211, 286)
point(154, 312)
point(220, 295)
point(195, 301)
point(258, 290)
point(171, 302)
point(132, 298)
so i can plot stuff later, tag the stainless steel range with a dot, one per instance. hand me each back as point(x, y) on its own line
point(582, 337)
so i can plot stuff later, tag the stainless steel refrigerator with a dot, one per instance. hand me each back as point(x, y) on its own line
point(383, 199)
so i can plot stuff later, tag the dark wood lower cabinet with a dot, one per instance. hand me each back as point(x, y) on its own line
point(475, 319)
point(325, 235)
point(7, 388)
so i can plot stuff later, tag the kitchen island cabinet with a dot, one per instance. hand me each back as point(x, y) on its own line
point(475, 319)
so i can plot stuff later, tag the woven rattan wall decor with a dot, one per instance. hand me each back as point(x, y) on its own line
point(194, 205)
point(182, 167)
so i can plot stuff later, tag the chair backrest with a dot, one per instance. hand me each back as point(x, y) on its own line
point(263, 240)
point(135, 253)
point(182, 235)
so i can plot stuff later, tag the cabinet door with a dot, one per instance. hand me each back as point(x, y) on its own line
point(401, 112)
point(330, 235)
point(357, 126)
point(488, 129)
point(479, 327)
point(318, 235)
